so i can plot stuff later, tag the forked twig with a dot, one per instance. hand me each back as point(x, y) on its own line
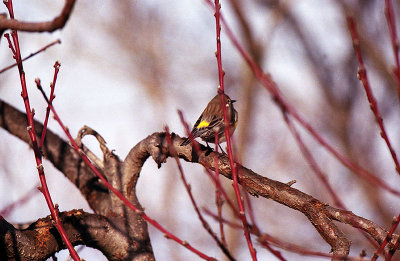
point(271, 87)
point(117, 192)
point(15, 48)
point(205, 224)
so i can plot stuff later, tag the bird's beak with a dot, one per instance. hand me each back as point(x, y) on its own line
point(233, 101)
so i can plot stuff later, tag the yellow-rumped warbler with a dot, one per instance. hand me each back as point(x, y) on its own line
point(211, 121)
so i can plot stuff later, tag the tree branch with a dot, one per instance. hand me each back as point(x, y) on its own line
point(68, 161)
point(321, 215)
point(41, 240)
point(50, 26)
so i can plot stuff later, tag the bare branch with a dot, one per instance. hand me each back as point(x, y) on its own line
point(320, 215)
point(41, 240)
point(49, 26)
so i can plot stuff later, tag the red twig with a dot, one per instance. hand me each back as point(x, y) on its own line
point(317, 170)
point(218, 52)
point(212, 177)
point(32, 135)
point(387, 239)
point(242, 213)
point(7, 209)
point(205, 224)
point(295, 248)
point(58, 41)
point(362, 75)
point(217, 183)
point(313, 163)
point(254, 230)
point(9, 8)
point(250, 209)
point(266, 239)
point(52, 96)
point(270, 86)
point(218, 199)
point(395, 41)
point(118, 193)
point(395, 247)
point(221, 219)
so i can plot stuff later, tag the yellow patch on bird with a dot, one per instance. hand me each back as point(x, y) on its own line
point(203, 124)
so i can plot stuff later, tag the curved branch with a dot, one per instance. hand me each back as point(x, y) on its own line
point(61, 155)
point(41, 240)
point(321, 215)
point(137, 244)
point(50, 26)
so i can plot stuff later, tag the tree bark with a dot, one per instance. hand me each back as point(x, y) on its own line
point(114, 222)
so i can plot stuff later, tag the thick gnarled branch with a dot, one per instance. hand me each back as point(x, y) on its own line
point(103, 203)
point(40, 240)
point(320, 215)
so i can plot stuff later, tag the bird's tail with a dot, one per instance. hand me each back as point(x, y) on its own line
point(187, 141)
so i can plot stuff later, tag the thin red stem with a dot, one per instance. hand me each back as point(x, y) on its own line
point(255, 231)
point(7, 209)
point(58, 41)
point(205, 224)
point(218, 53)
point(270, 86)
point(242, 214)
point(390, 17)
point(394, 248)
point(313, 163)
point(264, 238)
point(250, 208)
point(362, 75)
point(218, 198)
point(118, 193)
point(212, 177)
point(10, 8)
point(52, 87)
point(32, 135)
point(387, 239)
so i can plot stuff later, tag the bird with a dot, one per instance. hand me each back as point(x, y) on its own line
point(211, 121)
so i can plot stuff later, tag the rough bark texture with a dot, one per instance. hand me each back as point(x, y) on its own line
point(121, 234)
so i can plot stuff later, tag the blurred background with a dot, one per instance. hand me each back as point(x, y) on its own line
point(128, 66)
